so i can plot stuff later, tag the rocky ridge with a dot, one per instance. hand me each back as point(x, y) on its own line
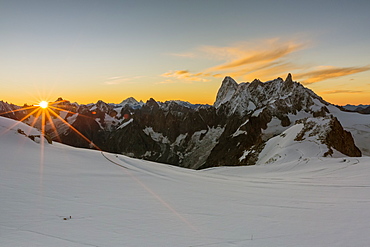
point(364, 109)
point(234, 131)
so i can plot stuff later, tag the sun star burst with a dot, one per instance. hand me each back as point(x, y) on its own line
point(46, 111)
point(44, 104)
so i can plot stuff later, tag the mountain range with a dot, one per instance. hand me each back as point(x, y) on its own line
point(249, 123)
point(364, 109)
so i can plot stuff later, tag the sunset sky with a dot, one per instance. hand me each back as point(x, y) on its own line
point(86, 50)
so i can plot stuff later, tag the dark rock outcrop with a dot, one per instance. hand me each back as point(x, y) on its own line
point(341, 140)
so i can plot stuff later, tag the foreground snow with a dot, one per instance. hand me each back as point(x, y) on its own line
point(77, 197)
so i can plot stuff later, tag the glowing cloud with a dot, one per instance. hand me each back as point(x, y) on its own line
point(185, 75)
point(342, 91)
point(273, 51)
point(262, 57)
point(264, 71)
point(329, 72)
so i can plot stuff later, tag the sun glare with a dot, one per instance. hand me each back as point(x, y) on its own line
point(44, 104)
point(46, 111)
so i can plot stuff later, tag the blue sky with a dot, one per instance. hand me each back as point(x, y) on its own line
point(90, 50)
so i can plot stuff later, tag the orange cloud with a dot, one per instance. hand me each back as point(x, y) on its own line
point(324, 73)
point(265, 71)
point(268, 51)
point(264, 56)
point(271, 72)
point(267, 58)
point(185, 75)
point(341, 91)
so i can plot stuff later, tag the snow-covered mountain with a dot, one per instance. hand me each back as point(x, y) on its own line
point(260, 111)
point(365, 109)
point(277, 96)
point(57, 195)
point(234, 131)
point(350, 107)
point(131, 103)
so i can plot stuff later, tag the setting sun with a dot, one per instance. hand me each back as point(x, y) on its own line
point(44, 104)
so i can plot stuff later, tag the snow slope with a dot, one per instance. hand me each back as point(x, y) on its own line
point(114, 200)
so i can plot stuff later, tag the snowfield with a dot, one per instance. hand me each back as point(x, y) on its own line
point(64, 196)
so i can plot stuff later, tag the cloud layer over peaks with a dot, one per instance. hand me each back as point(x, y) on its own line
point(262, 59)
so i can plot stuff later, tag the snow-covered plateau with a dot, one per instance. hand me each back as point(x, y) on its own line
point(56, 195)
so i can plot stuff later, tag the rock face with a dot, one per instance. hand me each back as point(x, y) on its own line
point(277, 96)
point(234, 131)
point(168, 132)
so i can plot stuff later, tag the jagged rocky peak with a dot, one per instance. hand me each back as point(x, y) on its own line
point(62, 101)
point(255, 83)
point(174, 105)
point(131, 102)
point(226, 91)
point(102, 106)
point(66, 105)
point(179, 104)
point(101, 103)
point(284, 95)
point(152, 103)
point(289, 79)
